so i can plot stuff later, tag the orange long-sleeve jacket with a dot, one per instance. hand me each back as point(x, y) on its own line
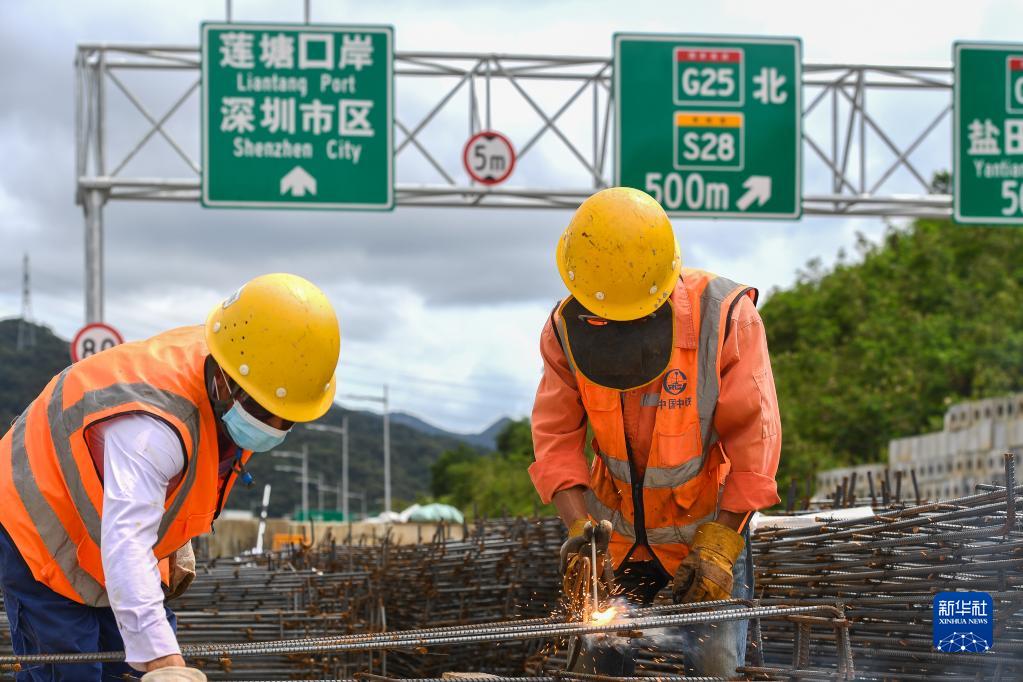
point(747, 419)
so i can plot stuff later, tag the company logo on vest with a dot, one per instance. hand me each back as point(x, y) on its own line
point(675, 381)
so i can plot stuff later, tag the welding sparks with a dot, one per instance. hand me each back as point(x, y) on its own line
point(605, 616)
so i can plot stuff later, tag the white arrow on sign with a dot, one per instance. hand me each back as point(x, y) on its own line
point(297, 181)
point(758, 189)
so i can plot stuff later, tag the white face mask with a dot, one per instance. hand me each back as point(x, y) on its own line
point(249, 433)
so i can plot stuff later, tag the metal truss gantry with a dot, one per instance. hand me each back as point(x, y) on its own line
point(849, 149)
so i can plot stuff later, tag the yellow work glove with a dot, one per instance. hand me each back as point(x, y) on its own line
point(706, 572)
point(576, 564)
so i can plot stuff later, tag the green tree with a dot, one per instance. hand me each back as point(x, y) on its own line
point(443, 480)
point(879, 349)
point(493, 483)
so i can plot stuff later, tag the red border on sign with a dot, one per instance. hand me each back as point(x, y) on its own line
point(468, 168)
point(94, 325)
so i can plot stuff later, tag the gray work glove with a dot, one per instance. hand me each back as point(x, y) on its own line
point(182, 572)
point(174, 674)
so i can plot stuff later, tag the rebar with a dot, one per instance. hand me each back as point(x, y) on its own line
point(885, 571)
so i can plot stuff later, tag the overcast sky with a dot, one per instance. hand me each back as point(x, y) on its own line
point(444, 305)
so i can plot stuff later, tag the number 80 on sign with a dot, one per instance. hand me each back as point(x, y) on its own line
point(93, 338)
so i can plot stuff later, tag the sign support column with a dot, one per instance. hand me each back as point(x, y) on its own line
point(93, 208)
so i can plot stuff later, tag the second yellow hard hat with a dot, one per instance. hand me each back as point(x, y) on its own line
point(618, 256)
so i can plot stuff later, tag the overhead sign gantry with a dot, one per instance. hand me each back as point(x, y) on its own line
point(856, 165)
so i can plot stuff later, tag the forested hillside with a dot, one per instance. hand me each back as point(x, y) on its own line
point(878, 347)
point(24, 373)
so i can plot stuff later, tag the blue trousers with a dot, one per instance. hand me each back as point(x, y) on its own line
point(710, 649)
point(43, 621)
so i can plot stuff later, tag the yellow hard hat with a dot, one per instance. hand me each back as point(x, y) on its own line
point(618, 256)
point(279, 339)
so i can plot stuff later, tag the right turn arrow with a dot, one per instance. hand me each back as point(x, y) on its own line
point(758, 189)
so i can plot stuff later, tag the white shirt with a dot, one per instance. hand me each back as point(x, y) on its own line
point(141, 454)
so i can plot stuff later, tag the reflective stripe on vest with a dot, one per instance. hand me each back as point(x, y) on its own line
point(63, 422)
point(707, 390)
point(655, 477)
point(669, 535)
point(47, 524)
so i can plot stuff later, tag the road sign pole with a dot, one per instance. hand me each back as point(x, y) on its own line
point(305, 483)
point(93, 207)
point(344, 468)
point(387, 453)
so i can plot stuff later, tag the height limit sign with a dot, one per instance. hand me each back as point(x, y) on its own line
point(488, 157)
point(297, 116)
point(710, 126)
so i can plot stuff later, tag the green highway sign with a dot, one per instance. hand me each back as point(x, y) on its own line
point(297, 116)
point(710, 125)
point(987, 157)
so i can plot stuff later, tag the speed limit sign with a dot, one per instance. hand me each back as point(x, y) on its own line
point(488, 157)
point(92, 338)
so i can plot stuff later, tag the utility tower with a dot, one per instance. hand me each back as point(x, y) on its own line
point(26, 329)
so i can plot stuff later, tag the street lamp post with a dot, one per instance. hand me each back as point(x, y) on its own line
point(384, 400)
point(343, 431)
point(303, 470)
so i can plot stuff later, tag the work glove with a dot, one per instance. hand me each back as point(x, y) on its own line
point(706, 572)
point(576, 563)
point(174, 674)
point(182, 571)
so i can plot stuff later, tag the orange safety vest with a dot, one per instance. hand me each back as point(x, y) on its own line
point(686, 466)
point(52, 491)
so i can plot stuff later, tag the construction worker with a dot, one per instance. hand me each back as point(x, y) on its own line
point(669, 368)
point(128, 454)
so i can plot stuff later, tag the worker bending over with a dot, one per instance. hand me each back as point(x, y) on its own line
point(130, 453)
point(669, 368)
